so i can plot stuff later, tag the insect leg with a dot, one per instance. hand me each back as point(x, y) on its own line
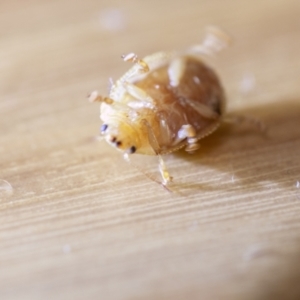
point(189, 132)
point(126, 157)
point(132, 57)
point(204, 110)
point(166, 177)
point(142, 66)
point(176, 70)
point(138, 94)
point(151, 137)
point(164, 172)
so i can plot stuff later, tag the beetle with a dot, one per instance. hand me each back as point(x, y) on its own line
point(165, 102)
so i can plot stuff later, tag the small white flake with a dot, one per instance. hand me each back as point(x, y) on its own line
point(196, 80)
point(193, 226)
point(5, 188)
point(66, 249)
point(112, 19)
point(247, 83)
point(298, 184)
point(232, 179)
point(254, 251)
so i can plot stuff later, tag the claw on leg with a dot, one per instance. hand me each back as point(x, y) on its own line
point(164, 172)
point(189, 132)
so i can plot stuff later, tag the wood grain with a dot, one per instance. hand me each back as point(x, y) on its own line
point(77, 222)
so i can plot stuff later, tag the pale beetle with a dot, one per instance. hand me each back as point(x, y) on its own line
point(166, 101)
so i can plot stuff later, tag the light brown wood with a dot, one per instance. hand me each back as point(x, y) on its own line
point(77, 222)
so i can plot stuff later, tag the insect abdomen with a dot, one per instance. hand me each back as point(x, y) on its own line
point(198, 100)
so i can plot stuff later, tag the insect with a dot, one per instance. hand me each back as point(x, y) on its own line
point(165, 102)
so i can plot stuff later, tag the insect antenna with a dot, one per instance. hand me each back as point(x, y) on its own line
point(95, 97)
point(132, 57)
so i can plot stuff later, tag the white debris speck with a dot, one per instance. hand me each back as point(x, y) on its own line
point(193, 226)
point(66, 249)
point(247, 83)
point(298, 184)
point(196, 80)
point(5, 188)
point(254, 251)
point(112, 19)
point(232, 179)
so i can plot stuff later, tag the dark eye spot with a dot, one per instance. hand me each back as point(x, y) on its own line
point(119, 143)
point(103, 127)
point(113, 139)
point(132, 149)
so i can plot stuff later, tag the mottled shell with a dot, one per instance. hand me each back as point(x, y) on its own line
point(179, 90)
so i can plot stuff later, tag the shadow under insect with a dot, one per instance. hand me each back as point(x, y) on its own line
point(246, 157)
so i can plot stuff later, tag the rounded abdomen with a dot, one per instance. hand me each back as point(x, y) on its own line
point(197, 99)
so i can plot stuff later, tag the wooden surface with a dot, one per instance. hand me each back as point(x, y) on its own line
point(77, 222)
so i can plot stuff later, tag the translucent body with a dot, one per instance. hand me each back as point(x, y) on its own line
point(157, 111)
point(165, 102)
